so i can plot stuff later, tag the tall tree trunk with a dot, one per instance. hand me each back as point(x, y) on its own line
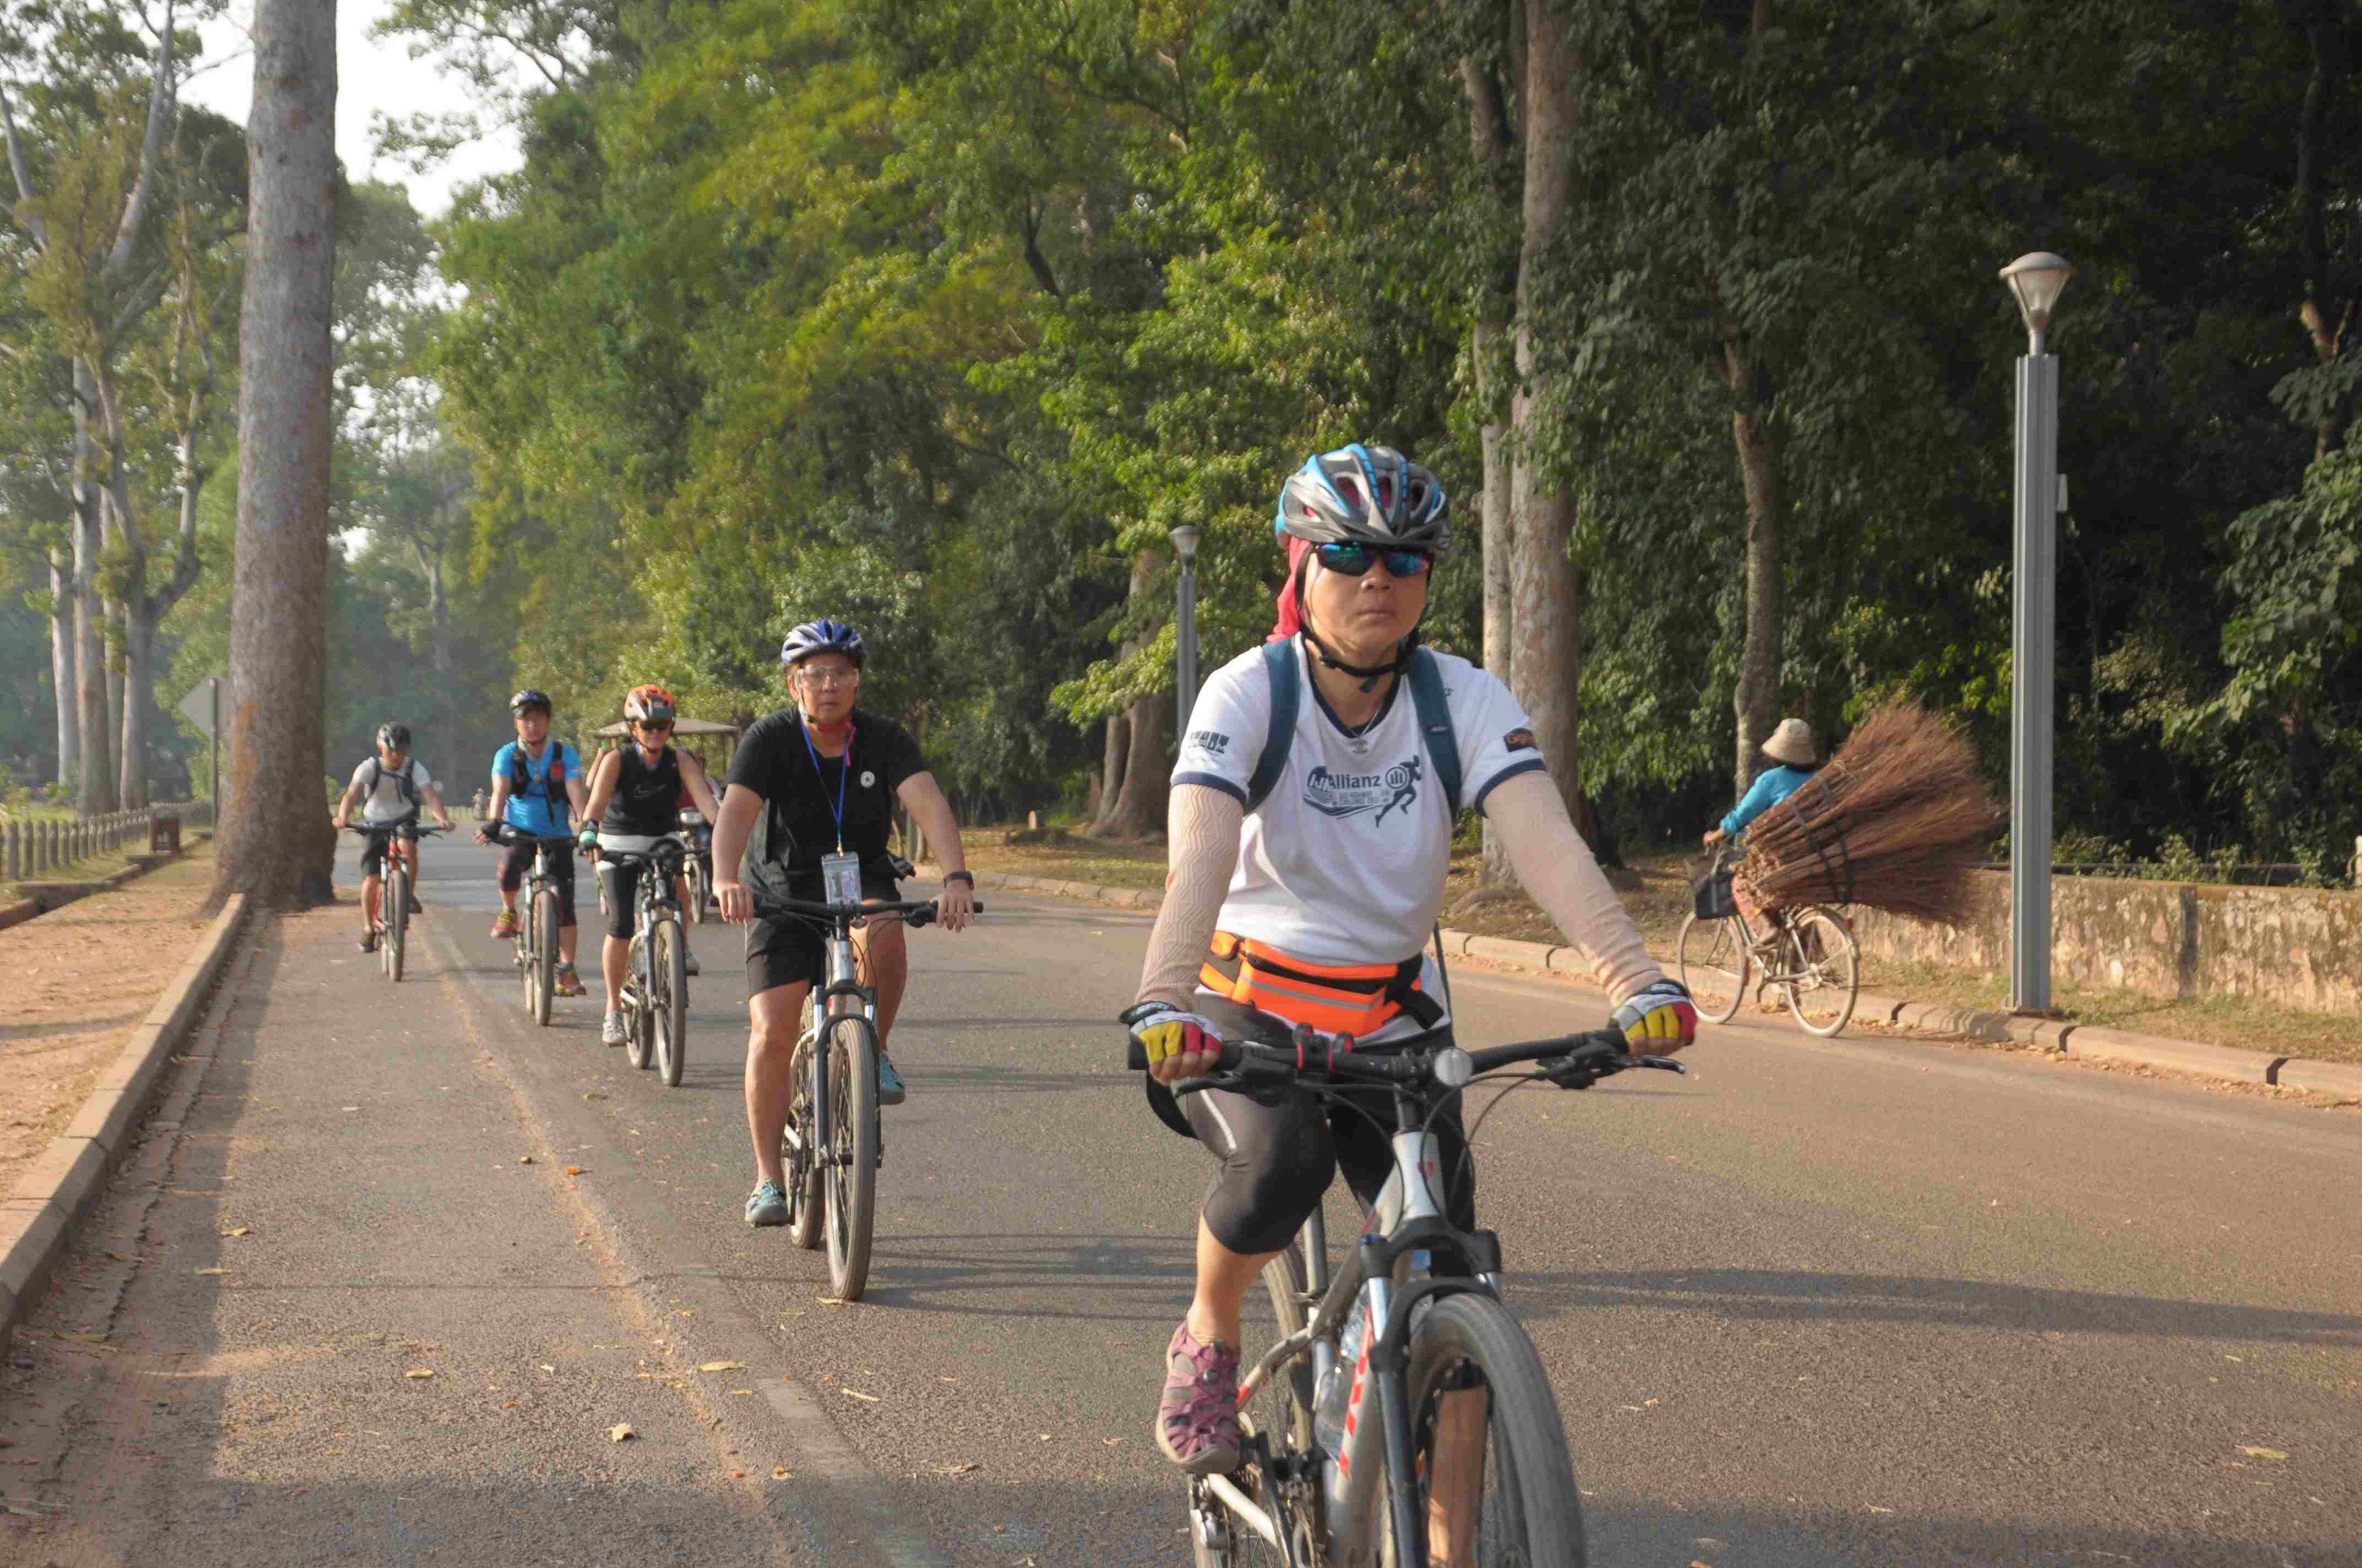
point(1544, 651)
point(63, 684)
point(1147, 776)
point(1490, 138)
point(2326, 321)
point(94, 781)
point(1756, 698)
point(138, 697)
point(116, 643)
point(1125, 753)
point(276, 844)
point(438, 610)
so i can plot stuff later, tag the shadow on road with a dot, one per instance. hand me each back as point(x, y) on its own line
point(1766, 1294)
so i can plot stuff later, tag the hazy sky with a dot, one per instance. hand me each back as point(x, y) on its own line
point(374, 75)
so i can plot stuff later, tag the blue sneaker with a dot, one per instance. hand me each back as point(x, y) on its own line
point(767, 1205)
point(890, 1083)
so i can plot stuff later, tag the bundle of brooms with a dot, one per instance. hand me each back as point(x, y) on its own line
point(1894, 821)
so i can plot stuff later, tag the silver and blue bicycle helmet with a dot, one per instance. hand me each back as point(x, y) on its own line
point(393, 735)
point(822, 636)
point(1365, 495)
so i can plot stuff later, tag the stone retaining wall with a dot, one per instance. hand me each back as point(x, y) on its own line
point(2299, 947)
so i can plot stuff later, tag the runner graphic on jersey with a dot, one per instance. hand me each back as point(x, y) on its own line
point(1342, 795)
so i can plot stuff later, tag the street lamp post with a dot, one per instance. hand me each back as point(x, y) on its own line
point(2036, 279)
point(1185, 628)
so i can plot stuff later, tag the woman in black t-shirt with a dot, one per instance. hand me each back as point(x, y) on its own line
point(822, 775)
point(634, 793)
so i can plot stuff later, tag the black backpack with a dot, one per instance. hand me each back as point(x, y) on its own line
point(521, 781)
point(1280, 663)
point(404, 784)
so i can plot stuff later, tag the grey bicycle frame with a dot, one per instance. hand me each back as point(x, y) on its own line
point(843, 970)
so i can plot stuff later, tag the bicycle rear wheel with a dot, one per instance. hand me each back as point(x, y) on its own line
point(1485, 1430)
point(394, 912)
point(1828, 966)
point(668, 998)
point(852, 1167)
point(541, 977)
point(1712, 961)
point(696, 874)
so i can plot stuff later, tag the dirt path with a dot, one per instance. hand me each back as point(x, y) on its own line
point(80, 978)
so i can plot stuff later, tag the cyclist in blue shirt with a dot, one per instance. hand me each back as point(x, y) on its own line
point(1796, 756)
point(537, 789)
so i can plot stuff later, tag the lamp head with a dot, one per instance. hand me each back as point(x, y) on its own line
point(2037, 280)
point(1185, 540)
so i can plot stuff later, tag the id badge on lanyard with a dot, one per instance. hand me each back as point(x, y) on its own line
point(840, 878)
point(840, 874)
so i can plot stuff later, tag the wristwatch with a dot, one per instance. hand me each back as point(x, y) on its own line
point(968, 877)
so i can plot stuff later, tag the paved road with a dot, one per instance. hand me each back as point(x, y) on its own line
point(1855, 1301)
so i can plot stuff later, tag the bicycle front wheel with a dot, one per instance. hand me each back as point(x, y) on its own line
point(696, 892)
point(395, 914)
point(1495, 1483)
point(1713, 962)
point(851, 1156)
point(1828, 966)
point(541, 977)
point(668, 998)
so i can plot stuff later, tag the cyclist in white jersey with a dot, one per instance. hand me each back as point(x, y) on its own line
point(1311, 901)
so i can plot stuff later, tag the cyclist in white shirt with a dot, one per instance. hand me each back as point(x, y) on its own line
point(388, 788)
point(1307, 862)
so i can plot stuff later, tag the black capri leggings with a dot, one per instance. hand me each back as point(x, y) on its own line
point(1279, 1151)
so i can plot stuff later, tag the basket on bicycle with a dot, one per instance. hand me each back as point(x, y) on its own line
point(1895, 822)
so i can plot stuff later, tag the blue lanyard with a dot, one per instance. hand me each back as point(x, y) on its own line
point(845, 764)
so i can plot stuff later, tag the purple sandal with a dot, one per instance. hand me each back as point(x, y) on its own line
point(1197, 1419)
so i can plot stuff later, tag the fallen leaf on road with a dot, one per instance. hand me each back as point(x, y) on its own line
point(574, 1170)
point(204, 1272)
point(348, 1107)
point(508, 1404)
point(547, 1367)
point(857, 1394)
point(240, 1230)
point(737, 1393)
point(1112, 1441)
point(721, 1366)
point(781, 1473)
point(737, 1475)
point(593, 1094)
point(830, 1301)
point(419, 1374)
point(961, 1469)
point(2274, 1455)
point(524, 1159)
point(621, 1432)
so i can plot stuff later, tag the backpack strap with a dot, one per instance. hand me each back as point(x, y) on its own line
point(1279, 663)
point(1435, 725)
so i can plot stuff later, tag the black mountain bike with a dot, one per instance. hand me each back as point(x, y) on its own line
point(833, 1143)
point(656, 987)
point(395, 901)
point(535, 942)
point(1439, 1436)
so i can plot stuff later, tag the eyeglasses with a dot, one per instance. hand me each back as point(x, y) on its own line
point(827, 678)
point(655, 727)
point(1355, 560)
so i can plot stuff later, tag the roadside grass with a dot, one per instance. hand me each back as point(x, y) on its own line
point(1656, 891)
point(95, 867)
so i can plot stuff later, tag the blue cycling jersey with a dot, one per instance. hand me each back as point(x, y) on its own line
point(541, 807)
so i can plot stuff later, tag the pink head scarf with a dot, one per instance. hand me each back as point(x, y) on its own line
point(1291, 604)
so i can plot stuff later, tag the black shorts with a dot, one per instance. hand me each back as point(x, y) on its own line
point(621, 886)
point(1280, 1149)
point(373, 848)
point(518, 859)
point(795, 952)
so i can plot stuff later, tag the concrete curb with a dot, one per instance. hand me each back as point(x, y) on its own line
point(2087, 1042)
point(52, 1192)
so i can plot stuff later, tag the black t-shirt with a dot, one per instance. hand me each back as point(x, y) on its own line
point(775, 762)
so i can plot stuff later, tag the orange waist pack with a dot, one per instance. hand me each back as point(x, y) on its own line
point(1337, 998)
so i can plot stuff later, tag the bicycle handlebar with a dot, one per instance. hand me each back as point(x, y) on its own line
point(424, 830)
point(508, 832)
point(1574, 1061)
point(914, 912)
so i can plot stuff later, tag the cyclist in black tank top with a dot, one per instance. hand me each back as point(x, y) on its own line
point(635, 799)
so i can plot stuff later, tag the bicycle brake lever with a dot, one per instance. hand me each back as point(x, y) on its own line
point(1663, 1063)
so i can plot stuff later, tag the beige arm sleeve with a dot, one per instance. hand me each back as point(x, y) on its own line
point(1558, 871)
point(1201, 830)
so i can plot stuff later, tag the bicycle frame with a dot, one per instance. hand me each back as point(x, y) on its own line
point(1408, 1221)
point(843, 982)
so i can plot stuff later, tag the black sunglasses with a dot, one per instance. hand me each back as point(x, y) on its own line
point(1356, 560)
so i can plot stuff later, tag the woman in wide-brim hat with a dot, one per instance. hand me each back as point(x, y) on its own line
point(1795, 756)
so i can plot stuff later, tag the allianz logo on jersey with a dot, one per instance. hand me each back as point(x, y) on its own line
point(1349, 794)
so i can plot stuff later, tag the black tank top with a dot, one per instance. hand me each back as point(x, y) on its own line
point(647, 799)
